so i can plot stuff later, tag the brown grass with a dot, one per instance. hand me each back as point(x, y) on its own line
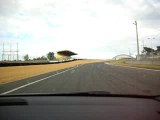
point(9, 74)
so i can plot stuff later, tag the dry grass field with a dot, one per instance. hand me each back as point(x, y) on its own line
point(9, 74)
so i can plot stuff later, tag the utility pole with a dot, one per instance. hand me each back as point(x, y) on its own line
point(3, 53)
point(138, 57)
point(17, 52)
point(10, 56)
point(129, 52)
point(143, 43)
point(152, 49)
point(10, 53)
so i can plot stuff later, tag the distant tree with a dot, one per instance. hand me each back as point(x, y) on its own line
point(158, 48)
point(26, 57)
point(50, 55)
point(40, 58)
point(43, 58)
point(148, 50)
point(157, 52)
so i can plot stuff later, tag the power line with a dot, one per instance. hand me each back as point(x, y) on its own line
point(10, 54)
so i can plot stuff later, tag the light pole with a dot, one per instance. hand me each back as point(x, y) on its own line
point(143, 43)
point(138, 57)
point(152, 48)
point(151, 41)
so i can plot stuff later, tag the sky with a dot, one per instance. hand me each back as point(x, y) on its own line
point(98, 29)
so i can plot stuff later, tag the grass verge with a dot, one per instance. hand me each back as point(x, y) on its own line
point(124, 63)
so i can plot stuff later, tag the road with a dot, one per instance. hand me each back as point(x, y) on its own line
point(89, 77)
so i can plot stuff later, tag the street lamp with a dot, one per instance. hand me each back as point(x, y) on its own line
point(138, 57)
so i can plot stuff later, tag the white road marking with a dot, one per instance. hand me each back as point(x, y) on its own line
point(134, 67)
point(36, 81)
point(72, 71)
point(106, 63)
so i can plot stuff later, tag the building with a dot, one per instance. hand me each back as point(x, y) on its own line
point(64, 55)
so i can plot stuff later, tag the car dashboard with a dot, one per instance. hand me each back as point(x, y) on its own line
point(78, 108)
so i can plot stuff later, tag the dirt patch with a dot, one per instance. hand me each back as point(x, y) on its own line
point(9, 74)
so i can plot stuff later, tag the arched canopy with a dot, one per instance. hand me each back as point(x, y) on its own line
point(122, 56)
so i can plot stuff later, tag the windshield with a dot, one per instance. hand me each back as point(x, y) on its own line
point(69, 46)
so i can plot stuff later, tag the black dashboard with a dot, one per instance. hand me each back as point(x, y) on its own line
point(78, 108)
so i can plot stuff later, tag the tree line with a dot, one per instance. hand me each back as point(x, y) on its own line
point(149, 51)
point(49, 56)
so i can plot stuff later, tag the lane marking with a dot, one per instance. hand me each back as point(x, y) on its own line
point(72, 71)
point(133, 67)
point(37, 81)
point(107, 63)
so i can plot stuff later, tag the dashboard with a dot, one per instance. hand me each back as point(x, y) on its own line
point(78, 108)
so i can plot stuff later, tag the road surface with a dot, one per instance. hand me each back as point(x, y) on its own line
point(89, 77)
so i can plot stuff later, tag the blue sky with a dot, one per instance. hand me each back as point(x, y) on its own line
point(91, 28)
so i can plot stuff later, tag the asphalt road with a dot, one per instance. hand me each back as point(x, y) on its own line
point(89, 77)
